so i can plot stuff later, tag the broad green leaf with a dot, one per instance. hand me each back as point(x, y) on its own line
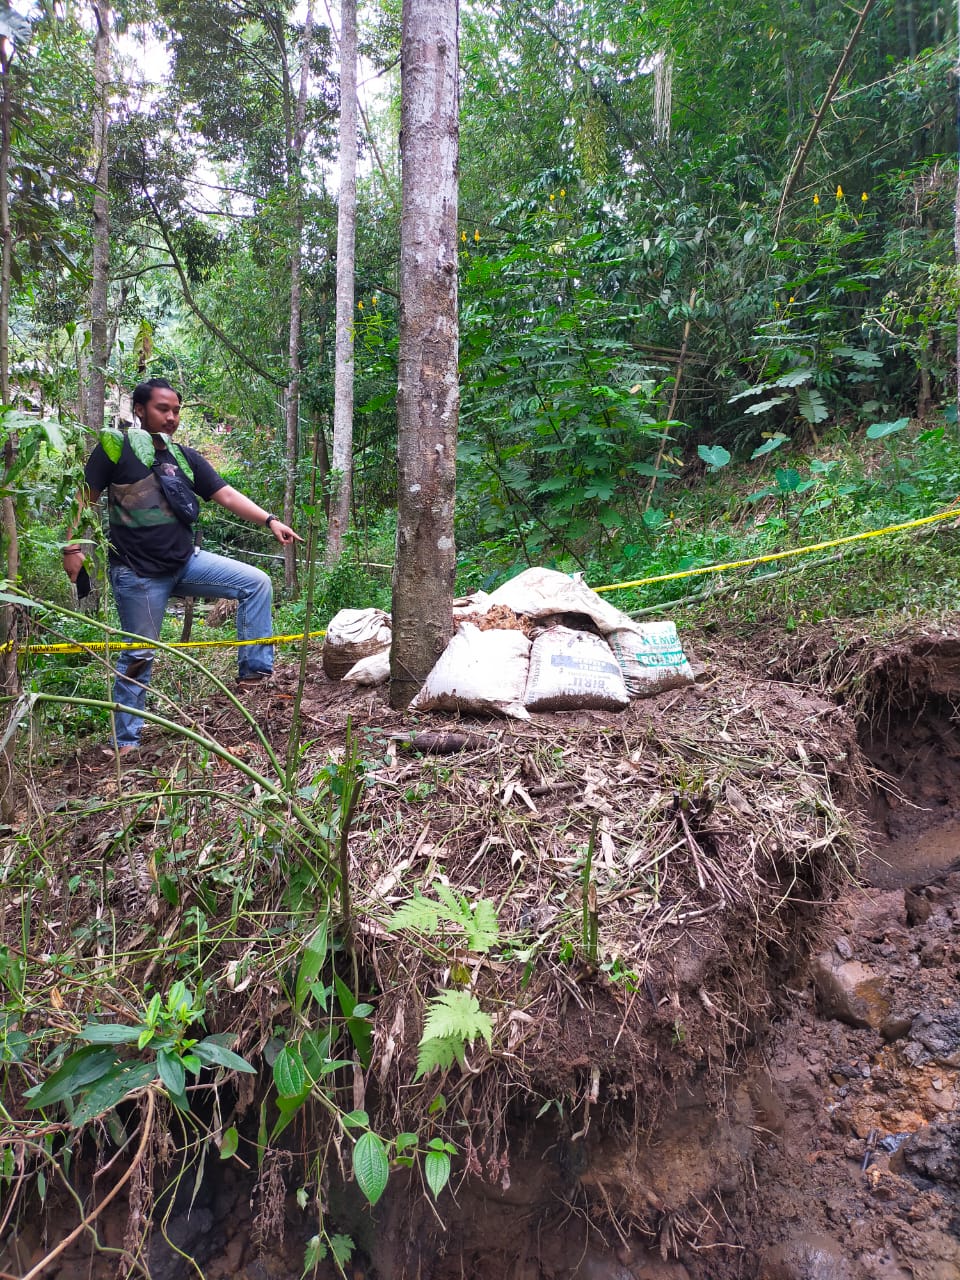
point(793, 378)
point(345, 997)
point(768, 446)
point(356, 1119)
point(111, 1033)
point(182, 462)
point(172, 1073)
point(788, 479)
point(436, 1170)
point(361, 1032)
point(653, 517)
point(111, 441)
point(404, 1140)
point(141, 442)
point(288, 1109)
point(311, 965)
point(749, 391)
point(371, 1167)
point(113, 1088)
point(714, 454)
point(764, 405)
point(80, 1069)
point(315, 1052)
point(211, 1052)
point(880, 430)
point(289, 1073)
point(53, 434)
point(229, 1143)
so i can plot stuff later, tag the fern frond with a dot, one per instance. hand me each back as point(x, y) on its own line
point(442, 1052)
point(454, 1020)
point(456, 1013)
point(419, 914)
point(483, 932)
point(423, 915)
point(812, 405)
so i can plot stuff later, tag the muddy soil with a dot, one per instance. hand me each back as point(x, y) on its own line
point(834, 1155)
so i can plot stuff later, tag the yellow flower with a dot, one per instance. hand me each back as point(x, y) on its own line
point(463, 236)
point(562, 193)
point(776, 302)
point(816, 199)
point(360, 305)
point(864, 198)
point(791, 298)
point(476, 236)
point(373, 300)
point(839, 192)
point(552, 196)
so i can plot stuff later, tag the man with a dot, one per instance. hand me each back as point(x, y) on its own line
point(153, 557)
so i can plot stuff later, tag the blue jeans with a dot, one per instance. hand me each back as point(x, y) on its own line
point(142, 602)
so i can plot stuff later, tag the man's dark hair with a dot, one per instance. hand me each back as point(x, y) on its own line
point(144, 390)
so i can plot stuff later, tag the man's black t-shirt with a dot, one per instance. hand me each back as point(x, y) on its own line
point(145, 535)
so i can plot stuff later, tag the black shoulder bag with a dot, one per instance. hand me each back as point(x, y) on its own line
point(181, 499)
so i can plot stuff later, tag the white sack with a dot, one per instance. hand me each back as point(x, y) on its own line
point(466, 608)
point(479, 671)
point(540, 592)
point(353, 634)
point(370, 671)
point(573, 671)
point(651, 657)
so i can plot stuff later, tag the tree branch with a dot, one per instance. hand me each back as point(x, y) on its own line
point(194, 306)
point(804, 149)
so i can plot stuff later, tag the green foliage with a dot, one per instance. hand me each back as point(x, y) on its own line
point(371, 1168)
point(454, 1020)
point(423, 915)
point(94, 1079)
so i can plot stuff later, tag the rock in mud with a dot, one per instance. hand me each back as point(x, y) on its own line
point(850, 991)
point(808, 1257)
point(935, 1037)
point(934, 1152)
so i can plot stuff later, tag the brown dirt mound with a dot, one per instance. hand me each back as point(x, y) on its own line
point(654, 876)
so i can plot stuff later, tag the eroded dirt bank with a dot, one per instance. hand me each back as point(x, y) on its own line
point(767, 1087)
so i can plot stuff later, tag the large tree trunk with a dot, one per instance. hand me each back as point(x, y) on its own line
point(292, 395)
point(428, 391)
point(99, 352)
point(341, 497)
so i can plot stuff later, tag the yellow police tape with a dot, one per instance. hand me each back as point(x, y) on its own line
point(99, 646)
point(953, 513)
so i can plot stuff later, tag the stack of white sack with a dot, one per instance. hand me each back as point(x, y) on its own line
point(586, 655)
point(356, 648)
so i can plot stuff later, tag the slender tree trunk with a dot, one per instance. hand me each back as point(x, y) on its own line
point(99, 351)
point(956, 210)
point(428, 395)
point(342, 462)
point(8, 515)
point(292, 394)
